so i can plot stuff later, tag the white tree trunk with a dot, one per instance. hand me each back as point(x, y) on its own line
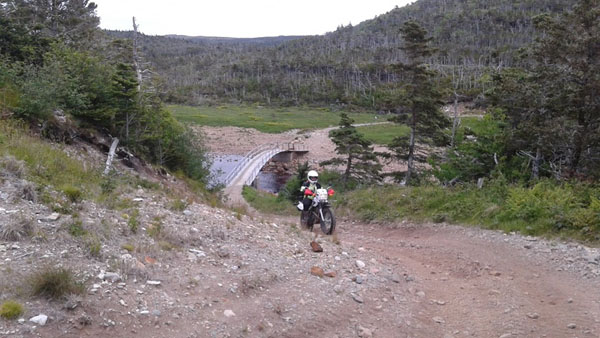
point(111, 155)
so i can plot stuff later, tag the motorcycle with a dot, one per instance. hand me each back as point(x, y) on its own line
point(319, 212)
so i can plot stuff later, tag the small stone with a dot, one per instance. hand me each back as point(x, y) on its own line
point(53, 217)
point(494, 292)
point(363, 332)
point(439, 320)
point(138, 199)
point(533, 315)
point(40, 319)
point(571, 326)
point(506, 335)
point(439, 302)
point(357, 298)
point(421, 294)
point(317, 271)
point(187, 212)
point(156, 313)
point(570, 300)
point(144, 312)
point(228, 313)
point(394, 278)
point(111, 276)
point(495, 273)
point(358, 279)
point(198, 253)
point(316, 247)
point(526, 246)
point(330, 274)
point(153, 282)
point(360, 264)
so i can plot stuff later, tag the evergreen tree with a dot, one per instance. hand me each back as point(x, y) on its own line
point(417, 99)
point(359, 159)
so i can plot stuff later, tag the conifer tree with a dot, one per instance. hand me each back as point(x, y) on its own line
point(359, 159)
point(417, 99)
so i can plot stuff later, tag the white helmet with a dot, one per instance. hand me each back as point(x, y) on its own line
point(313, 176)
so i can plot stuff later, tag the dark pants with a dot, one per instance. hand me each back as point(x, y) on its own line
point(307, 203)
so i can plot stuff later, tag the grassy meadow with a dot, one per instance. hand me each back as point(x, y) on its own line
point(265, 119)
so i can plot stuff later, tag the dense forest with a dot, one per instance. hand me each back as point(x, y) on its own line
point(350, 65)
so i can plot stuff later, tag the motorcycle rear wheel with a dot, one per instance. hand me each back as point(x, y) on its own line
point(328, 221)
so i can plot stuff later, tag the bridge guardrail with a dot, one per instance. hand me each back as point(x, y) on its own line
point(274, 148)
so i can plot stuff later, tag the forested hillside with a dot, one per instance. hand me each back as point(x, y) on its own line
point(62, 74)
point(351, 64)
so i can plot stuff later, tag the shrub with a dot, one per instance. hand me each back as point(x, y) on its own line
point(54, 283)
point(11, 310)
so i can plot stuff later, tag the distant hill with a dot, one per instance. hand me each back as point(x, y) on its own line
point(348, 65)
point(262, 41)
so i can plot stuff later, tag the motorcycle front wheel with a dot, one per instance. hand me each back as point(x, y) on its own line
point(305, 221)
point(328, 221)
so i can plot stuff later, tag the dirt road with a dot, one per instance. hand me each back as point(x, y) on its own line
point(477, 283)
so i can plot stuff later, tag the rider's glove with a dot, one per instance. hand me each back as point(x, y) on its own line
point(308, 192)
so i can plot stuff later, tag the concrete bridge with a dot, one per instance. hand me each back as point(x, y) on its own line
point(248, 168)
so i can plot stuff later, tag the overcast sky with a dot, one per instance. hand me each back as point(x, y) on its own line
point(239, 18)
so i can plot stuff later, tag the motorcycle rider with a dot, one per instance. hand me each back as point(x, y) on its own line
point(309, 190)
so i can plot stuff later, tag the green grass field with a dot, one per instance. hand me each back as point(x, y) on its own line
point(268, 120)
point(383, 133)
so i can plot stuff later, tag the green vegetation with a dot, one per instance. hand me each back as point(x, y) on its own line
point(546, 208)
point(268, 120)
point(268, 203)
point(383, 133)
point(47, 165)
point(54, 283)
point(11, 310)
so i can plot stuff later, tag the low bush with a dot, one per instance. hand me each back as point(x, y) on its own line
point(11, 310)
point(546, 208)
point(54, 283)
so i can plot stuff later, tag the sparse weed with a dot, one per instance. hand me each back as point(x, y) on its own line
point(73, 194)
point(76, 229)
point(10, 166)
point(11, 310)
point(129, 247)
point(179, 205)
point(16, 230)
point(133, 222)
point(94, 246)
point(155, 228)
